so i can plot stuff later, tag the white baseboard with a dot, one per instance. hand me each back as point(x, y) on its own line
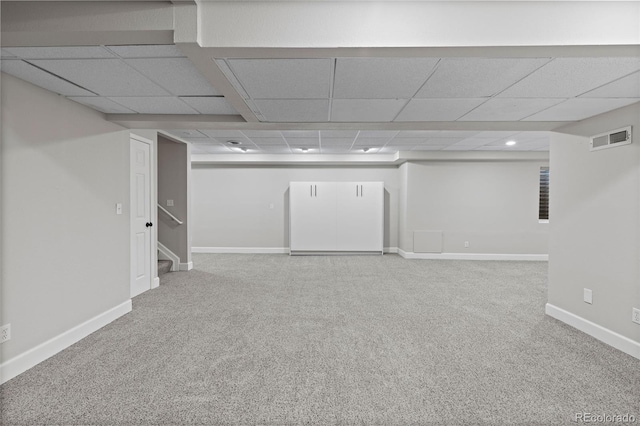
point(611, 338)
point(248, 250)
point(21, 363)
point(390, 250)
point(186, 266)
point(472, 256)
point(155, 283)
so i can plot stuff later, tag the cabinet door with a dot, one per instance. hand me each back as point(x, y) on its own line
point(312, 217)
point(360, 218)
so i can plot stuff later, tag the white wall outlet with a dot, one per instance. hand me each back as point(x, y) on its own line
point(466, 244)
point(119, 208)
point(588, 296)
point(169, 203)
point(5, 333)
point(271, 206)
point(635, 315)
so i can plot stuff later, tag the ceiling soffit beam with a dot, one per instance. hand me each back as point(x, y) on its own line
point(236, 122)
point(86, 23)
point(414, 24)
point(210, 70)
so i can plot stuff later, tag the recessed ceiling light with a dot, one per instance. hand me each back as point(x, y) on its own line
point(366, 149)
point(243, 149)
point(232, 142)
point(304, 149)
point(510, 143)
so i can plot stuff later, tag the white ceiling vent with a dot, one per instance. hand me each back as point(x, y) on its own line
point(610, 139)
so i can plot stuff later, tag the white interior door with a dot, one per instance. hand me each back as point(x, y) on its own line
point(360, 216)
point(141, 224)
point(312, 216)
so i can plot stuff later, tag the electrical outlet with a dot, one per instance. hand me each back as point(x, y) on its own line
point(5, 333)
point(588, 296)
point(466, 244)
point(635, 315)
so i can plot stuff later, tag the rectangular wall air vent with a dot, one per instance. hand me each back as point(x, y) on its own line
point(610, 139)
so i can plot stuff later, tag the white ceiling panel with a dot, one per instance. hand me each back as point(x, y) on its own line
point(295, 110)
point(268, 141)
point(418, 134)
point(102, 104)
point(106, 77)
point(262, 133)
point(457, 133)
point(337, 141)
point(27, 72)
point(472, 142)
point(366, 110)
point(407, 142)
point(428, 147)
point(155, 105)
point(303, 141)
point(626, 87)
point(338, 133)
point(570, 77)
point(64, 52)
point(283, 78)
point(217, 105)
point(371, 141)
point(300, 133)
point(176, 75)
point(147, 51)
point(225, 141)
point(222, 133)
point(380, 78)
point(377, 133)
point(495, 134)
point(189, 135)
point(437, 109)
point(443, 141)
point(579, 109)
point(477, 77)
point(504, 109)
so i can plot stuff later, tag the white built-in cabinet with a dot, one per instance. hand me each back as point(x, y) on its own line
point(336, 217)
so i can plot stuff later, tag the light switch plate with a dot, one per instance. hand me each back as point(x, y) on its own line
point(119, 208)
point(169, 203)
point(588, 296)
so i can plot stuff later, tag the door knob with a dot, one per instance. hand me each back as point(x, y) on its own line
point(149, 224)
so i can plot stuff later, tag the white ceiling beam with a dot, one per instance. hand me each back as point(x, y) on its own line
point(80, 23)
point(236, 122)
point(418, 24)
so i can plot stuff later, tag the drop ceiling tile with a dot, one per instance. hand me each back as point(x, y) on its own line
point(626, 87)
point(407, 141)
point(336, 142)
point(371, 141)
point(473, 142)
point(283, 78)
point(429, 147)
point(495, 134)
point(176, 75)
point(437, 109)
point(443, 141)
point(503, 109)
point(579, 109)
point(366, 110)
point(303, 141)
point(27, 72)
point(106, 77)
point(300, 133)
point(198, 150)
point(262, 133)
point(102, 104)
point(222, 133)
point(155, 105)
point(147, 51)
point(380, 78)
point(457, 133)
point(269, 141)
point(217, 105)
point(338, 133)
point(570, 77)
point(189, 134)
point(477, 77)
point(64, 52)
point(295, 110)
point(417, 134)
point(377, 133)
point(225, 141)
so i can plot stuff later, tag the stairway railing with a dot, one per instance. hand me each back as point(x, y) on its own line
point(175, 219)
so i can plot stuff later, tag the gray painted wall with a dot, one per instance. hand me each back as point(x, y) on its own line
point(231, 205)
point(594, 220)
point(66, 252)
point(491, 204)
point(174, 167)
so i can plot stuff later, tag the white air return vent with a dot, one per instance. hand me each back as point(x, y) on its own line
point(610, 139)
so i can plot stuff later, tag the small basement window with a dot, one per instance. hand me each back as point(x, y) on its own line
point(543, 203)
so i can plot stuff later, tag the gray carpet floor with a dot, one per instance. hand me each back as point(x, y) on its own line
point(278, 340)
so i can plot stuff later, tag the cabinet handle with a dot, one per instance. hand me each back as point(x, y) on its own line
point(315, 187)
point(361, 190)
point(356, 190)
point(311, 190)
